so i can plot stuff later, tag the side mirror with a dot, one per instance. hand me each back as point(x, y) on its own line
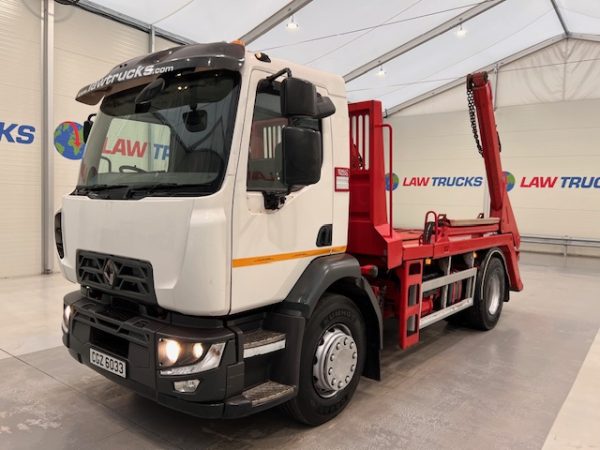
point(87, 127)
point(302, 156)
point(298, 98)
point(325, 107)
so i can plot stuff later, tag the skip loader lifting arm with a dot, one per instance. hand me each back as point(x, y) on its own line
point(479, 89)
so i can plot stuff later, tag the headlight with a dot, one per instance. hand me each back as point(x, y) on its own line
point(173, 352)
point(66, 317)
point(197, 350)
point(187, 357)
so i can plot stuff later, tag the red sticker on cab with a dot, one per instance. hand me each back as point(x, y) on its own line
point(342, 179)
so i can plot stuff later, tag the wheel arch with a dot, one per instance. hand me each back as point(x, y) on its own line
point(340, 274)
point(495, 252)
point(357, 290)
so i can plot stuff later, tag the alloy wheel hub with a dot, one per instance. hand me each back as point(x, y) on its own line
point(335, 360)
point(493, 299)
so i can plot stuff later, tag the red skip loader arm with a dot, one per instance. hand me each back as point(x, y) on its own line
point(500, 206)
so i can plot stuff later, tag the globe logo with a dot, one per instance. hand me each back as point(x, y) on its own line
point(68, 140)
point(510, 181)
point(395, 181)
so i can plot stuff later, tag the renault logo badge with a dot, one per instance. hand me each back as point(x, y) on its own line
point(109, 272)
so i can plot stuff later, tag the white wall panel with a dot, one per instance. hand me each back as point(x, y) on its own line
point(538, 78)
point(582, 70)
point(20, 104)
point(440, 146)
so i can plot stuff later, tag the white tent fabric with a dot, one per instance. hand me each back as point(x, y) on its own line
point(345, 49)
point(582, 16)
point(490, 37)
point(566, 71)
point(343, 35)
point(198, 20)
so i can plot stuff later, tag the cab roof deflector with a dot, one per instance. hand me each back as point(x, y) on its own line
point(144, 69)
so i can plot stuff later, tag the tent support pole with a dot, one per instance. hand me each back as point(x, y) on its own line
point(47, 184)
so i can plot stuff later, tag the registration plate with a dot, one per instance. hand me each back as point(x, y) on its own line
point(108, 363)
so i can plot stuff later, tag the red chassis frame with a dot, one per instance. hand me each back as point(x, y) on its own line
point(373, 240)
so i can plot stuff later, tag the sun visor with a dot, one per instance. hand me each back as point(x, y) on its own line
point(144, 69)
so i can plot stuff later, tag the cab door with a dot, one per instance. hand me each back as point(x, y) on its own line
point(272, 246)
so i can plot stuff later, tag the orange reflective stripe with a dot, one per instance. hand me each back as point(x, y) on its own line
point(256, 260)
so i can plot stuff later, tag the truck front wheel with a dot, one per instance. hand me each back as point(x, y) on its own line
point(332, 360)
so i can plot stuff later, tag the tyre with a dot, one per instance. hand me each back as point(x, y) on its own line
point(490, 292)
point(332, 361)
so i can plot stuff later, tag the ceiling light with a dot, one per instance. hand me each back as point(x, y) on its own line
point(381, 72)
point(292, 25)
point(461, 32)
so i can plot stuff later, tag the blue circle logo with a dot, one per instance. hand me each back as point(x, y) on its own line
point(510, 181)
point(68, 140)
point(395, 181)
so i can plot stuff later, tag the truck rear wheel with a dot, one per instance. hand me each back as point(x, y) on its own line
point(332, 360)
point(490, 293)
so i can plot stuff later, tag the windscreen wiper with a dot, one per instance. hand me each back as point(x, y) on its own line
point(171, 188)
point(83, 189)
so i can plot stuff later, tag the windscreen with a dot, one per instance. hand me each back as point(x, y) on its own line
point(174, 141)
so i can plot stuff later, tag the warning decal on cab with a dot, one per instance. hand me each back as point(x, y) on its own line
point(342, 179)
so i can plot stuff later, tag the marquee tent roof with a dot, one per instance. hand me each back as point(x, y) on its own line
point(396, 51)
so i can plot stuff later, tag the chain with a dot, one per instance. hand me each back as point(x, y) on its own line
point(471, 103)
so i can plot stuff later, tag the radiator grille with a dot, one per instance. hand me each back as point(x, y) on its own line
point(123, 277)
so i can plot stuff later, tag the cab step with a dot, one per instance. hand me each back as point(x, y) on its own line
point(262, 341)
point(267, 392)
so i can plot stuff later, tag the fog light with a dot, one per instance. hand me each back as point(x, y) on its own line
point(186, 386)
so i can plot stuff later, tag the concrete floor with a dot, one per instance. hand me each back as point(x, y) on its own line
point(533, 381)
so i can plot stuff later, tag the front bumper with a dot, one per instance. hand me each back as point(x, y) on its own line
point(132, 338)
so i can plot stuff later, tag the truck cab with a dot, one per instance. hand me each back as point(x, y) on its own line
point(181, 220)
point(209, 233)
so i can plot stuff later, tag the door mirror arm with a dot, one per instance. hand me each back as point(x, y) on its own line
point(274, 200)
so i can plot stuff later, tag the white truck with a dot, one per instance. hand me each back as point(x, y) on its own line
point(232, 244)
